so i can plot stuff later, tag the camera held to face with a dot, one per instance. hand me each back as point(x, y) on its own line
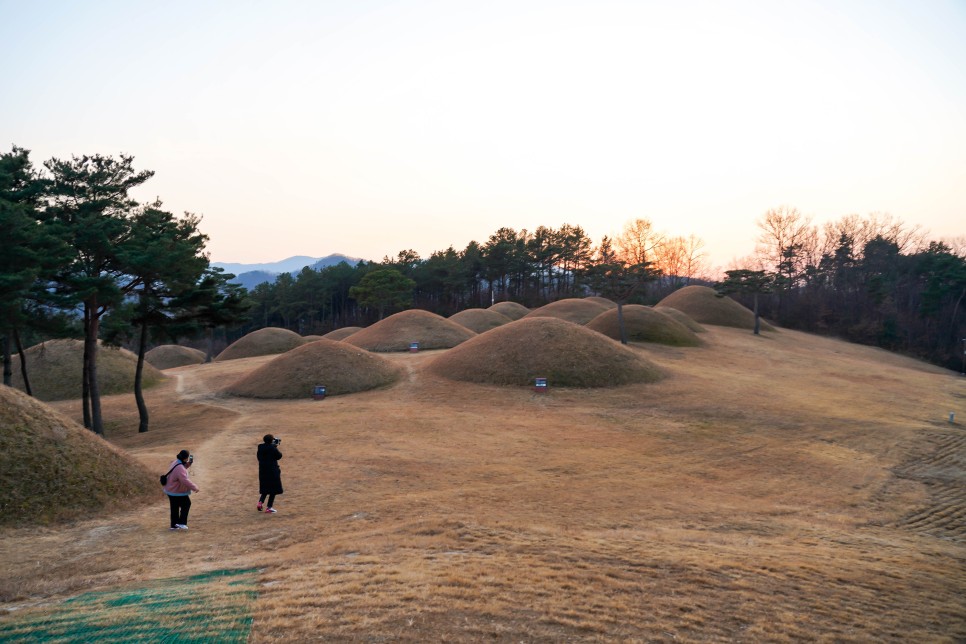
point(277, 441)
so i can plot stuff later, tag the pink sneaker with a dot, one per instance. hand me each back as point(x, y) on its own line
point(259, 507)
point(270, 510)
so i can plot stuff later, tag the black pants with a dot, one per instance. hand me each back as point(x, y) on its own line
point(179, 509)
point(271, 499)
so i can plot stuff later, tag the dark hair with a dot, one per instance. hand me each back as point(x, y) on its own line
point(183, 455)
point(267, 438)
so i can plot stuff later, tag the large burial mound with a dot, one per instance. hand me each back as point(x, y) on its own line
point(480, 320)
point(512, 310)
point(341, 334)
point(704, 305)
point(340, 367)
point(396, 332)
point(603, 301)
point(168, 356)
point(681, 317)
point(56, 370)
point(566, 354)
point(578, 311)
point(262, 343)
point(644, 324)
point(52, 469)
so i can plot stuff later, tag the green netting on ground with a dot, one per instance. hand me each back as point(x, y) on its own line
point(210, 607)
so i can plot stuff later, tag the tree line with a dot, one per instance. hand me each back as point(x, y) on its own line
point(81, 258)
point(532, 268)
point(872, 280)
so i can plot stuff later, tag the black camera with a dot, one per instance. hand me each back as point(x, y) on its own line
point(277, 441)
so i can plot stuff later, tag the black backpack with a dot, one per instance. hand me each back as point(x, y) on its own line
point(164, 477)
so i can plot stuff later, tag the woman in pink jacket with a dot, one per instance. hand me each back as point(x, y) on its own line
point(178, 488)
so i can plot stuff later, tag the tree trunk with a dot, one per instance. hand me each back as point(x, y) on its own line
point(97, 421)
point(211, 344)
point(23, 362)
point(757, 319)
point(7, 362)
point(85, 376)
point(138, 395)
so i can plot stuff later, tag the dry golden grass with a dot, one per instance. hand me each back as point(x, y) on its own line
point(341, 334)
point(567, 354)
point(512, 310)
point(603, 301)
point(169, 356)
point(680, 316)
point(774, 488)
point(396, 332)
point(341, 368)
point(267, 341)
point(479, 320)
point(578, 311)
point(52, 469)
point(704, 305)
point(644, 324)
point(55, 369)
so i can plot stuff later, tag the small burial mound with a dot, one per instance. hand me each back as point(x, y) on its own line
point(340, 367)
point(341, 334)
point(566, 354)
point(480, 320)
point(52, 469)
point(311, 338)
point(576, 310)
point(704, 305)
point(681, 317)
point(603, 301)
point(644, 324)
point(168, 356)
point(261, 343)
point(397, 331)
point(56, 370)
point(512, 310)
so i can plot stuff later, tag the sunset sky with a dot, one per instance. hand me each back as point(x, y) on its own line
point(368, 127)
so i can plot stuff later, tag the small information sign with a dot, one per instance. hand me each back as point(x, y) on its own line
point(540, 385)
point(413, 347)
point(318, 392)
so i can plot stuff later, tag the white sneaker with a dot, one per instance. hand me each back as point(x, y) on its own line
point(180, 526)
point(270, 510)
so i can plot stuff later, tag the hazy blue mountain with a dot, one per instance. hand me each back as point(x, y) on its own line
point(295, 263)
point(251, 275)
point(251, 279)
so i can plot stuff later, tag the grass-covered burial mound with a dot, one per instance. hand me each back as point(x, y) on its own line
point(52, 469)
point(480, 320)
point(342, 334)
point(56, 369)
point(340, 367)
point(396, 332)
point(168, 356)
point(681, 317)
point(578, 311)
point(263, 342)
point(704, 305)
point(512, 310)
point(644, 324)
point(566, 354)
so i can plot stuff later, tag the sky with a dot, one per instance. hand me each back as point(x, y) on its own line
point(370, 127)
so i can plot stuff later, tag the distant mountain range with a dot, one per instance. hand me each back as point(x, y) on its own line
point(251, 275)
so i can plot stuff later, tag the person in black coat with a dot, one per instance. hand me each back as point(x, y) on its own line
point(269, 473)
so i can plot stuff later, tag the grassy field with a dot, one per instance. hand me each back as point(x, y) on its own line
point(781, 487)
